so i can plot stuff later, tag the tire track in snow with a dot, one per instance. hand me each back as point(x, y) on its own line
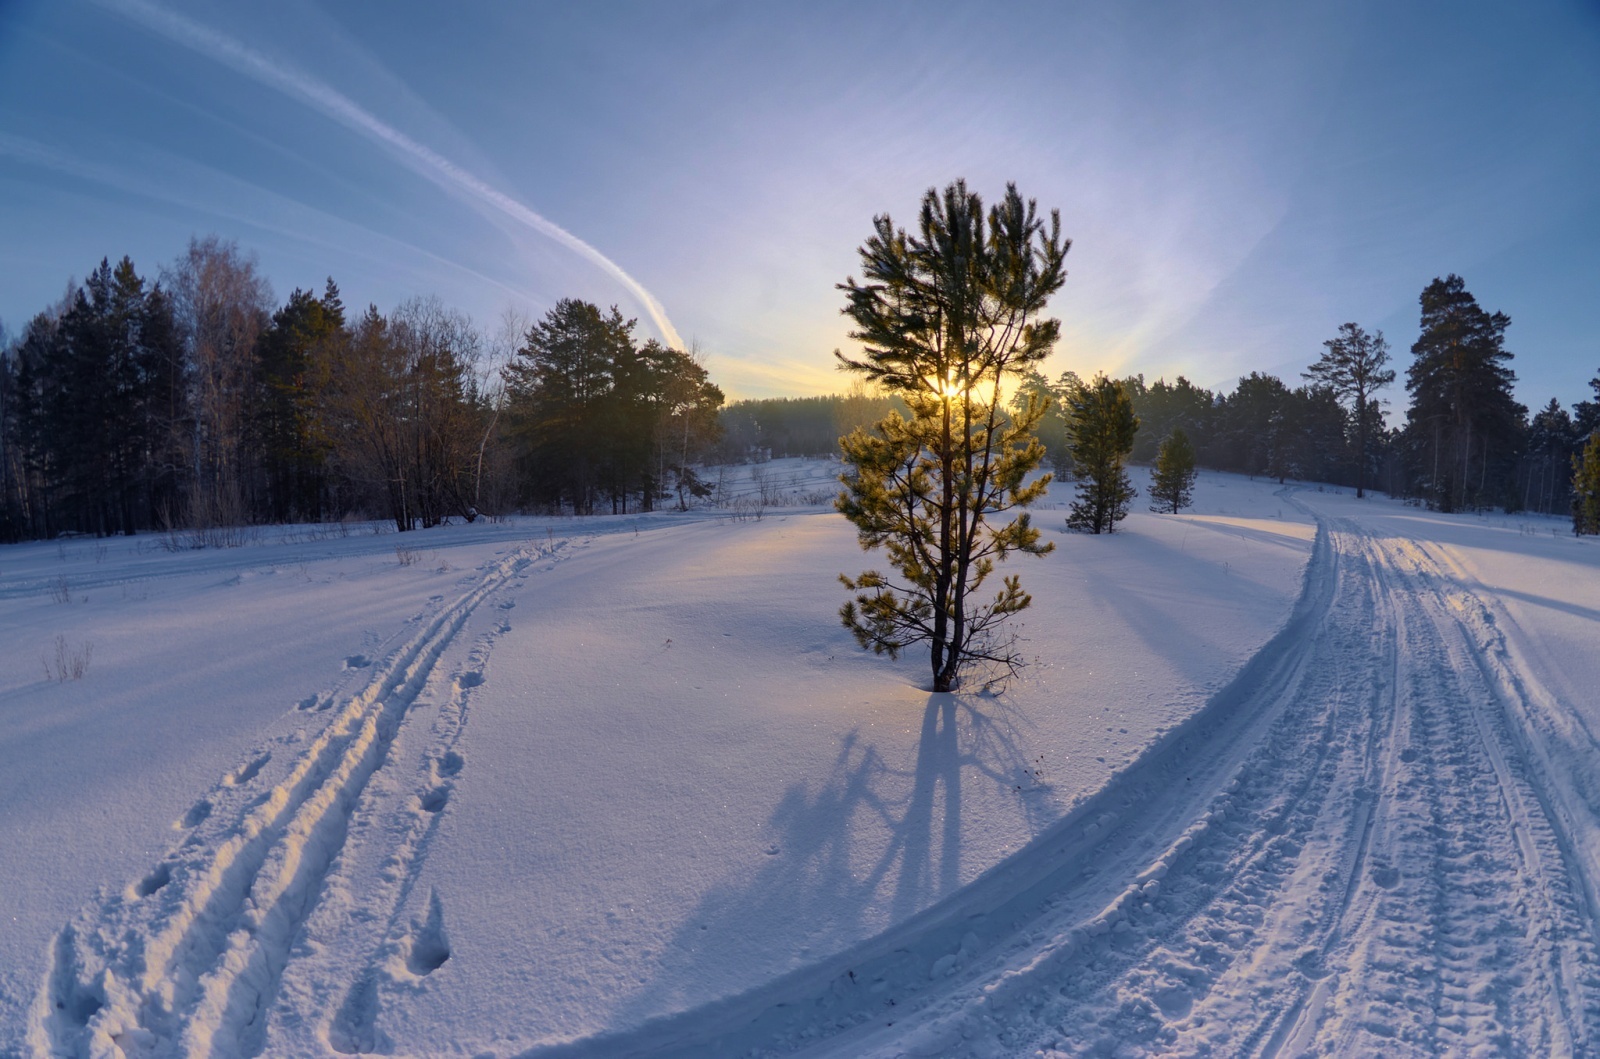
point(1484, 903)
point(1466, 932)
point(1352, 850)
point(1446, 913)
point(195, 971)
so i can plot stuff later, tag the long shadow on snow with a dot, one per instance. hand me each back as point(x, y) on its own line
point(825, 883)
point(1461, 531)
point(1194, 656)
point(1203, 748)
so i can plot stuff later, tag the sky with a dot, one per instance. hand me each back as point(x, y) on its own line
point(1237, 179)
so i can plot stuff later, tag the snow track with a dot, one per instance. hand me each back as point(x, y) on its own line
point(1379, 840)
point(191, 959)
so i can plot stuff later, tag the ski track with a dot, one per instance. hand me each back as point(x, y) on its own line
point(191, 959)
point(1386, 874)
point(1379, 840)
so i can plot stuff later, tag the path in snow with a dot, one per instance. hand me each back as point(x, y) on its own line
point(1377, 840)
point(1380, 838)
point(192, 958)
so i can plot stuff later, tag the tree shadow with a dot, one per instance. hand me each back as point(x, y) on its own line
point(1146, 606)
point(871, 843)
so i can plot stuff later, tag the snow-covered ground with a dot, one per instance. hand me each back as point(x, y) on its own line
point(1288, 772)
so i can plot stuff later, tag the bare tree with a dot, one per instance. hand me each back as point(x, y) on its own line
point(407, 410)
point(222, 304)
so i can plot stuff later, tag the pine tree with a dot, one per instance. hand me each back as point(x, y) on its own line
point(1552, 442)
point(1353, 366)
point(1162, 406)
point(1586, 414)
point(1463, 420)
point(946, 317)
point(1586, 488)
point(1172, 486)
point(1102, 424)
point(294, 371)
point(559, 386)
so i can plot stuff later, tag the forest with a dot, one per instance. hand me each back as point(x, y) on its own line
point(190, 402)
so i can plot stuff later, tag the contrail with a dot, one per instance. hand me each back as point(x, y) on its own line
point(347, 112)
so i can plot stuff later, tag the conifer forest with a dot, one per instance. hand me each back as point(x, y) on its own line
point(187, 399)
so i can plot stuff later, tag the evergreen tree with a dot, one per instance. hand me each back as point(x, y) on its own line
point(1163, 406)
point(1051, 429)
point(1463, 425)
point(1353, 365)
point(295, 368)
point(681, 405)
point(947, 316)
point(1586, 414)
point(1552, 441)
point(598, 416)
point(1251, 424)
point(1103, 425)
point(13, 524)
point(1172, 486)
point(87, 385)
point(559, 386)
point(1586, 488)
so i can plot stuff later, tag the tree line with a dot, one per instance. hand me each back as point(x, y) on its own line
point(1465, 443)
point(191, 400)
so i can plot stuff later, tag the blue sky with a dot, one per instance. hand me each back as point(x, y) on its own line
point(1238, 180)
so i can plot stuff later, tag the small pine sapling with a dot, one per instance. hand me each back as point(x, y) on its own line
point(1172, 486)
point(1101, 426)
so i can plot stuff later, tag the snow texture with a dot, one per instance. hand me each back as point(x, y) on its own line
point(1289, 774)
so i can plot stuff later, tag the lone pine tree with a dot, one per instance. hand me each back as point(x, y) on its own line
point(1101, 425)
point(1353, 366)
point(1172, 486)
point(945, 316)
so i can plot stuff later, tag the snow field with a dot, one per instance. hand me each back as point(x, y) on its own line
point(1401, 866)
point(616, 796)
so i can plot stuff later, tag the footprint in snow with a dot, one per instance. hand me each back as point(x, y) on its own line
point(196, 815)
point(450, 764)
point(357, 662)
point(245, 773)
point(427, 947)
point(470, 679)
point(154, 881)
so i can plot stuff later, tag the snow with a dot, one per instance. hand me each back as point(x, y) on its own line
point(624, 785)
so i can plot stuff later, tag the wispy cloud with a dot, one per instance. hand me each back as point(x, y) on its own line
point(422, 159)
point(218, 194)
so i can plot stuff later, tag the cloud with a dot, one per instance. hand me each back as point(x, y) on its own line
point(217, 193)
point(418, 157)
